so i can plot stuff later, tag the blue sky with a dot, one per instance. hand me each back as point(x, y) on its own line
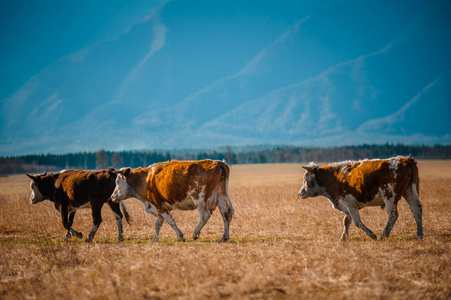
point(84, 75)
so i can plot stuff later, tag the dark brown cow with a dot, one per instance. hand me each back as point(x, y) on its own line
point(71, 190)
point(182, 185)
point(352, 185)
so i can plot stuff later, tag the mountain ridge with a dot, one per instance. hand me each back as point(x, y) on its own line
point(332, 76)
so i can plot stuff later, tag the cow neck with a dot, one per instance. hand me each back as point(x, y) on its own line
point(49, 182)
point(330, 178)
point(138, 180)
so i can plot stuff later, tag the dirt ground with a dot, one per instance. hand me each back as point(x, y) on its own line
point(280, 248)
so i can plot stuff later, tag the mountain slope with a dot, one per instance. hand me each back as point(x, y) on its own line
point(216, 74)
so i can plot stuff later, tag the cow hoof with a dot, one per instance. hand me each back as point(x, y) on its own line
point(224, 239)
point(88, 240)
point(196, 236)
point(78, 235)
point(120, 240)
point(182, 239)
point(383, 237)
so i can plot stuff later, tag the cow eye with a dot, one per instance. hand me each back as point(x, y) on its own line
point(311, 183)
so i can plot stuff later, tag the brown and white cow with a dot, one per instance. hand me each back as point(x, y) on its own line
point(179, 185)
point(71, 190)
point(352, 185)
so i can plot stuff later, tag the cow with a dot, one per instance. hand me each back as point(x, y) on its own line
point(71, 190)
point(179, 185)
point(353, 185)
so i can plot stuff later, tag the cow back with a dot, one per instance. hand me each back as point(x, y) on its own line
point(81, 186)
point(171, 181)
point(363, 179)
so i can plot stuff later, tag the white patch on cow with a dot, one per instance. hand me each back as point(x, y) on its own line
point(414, 190)
point(339, 205)
point(201, 198)
point(344, 164)
point(312, 164)
point(122, 190)
point(394, 162)
point(36, 196)
point(190, 202)
point(312, 191)
point(389, 192)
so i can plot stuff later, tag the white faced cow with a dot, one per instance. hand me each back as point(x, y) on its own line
point(180, 185)
point(352, 185)
point(71, 190)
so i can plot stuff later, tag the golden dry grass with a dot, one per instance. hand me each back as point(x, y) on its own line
point(279, 248)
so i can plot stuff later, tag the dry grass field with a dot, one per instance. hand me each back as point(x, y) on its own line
point(280, 248)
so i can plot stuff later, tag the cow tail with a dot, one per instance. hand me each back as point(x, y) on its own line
point(212, 202)
point(225, 178)
point(415, 175)
point(128, 218)
point(225, 171)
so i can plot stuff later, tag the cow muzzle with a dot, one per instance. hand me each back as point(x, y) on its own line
point(33, 199)
point(302, 194)
point(116, 197)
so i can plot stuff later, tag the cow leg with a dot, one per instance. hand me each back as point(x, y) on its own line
point(158, 223)
point(97, 220)
point(347, 220)
point(392, 211)
point(204, 216)
point(115, 207)
point(355, 215)
point(72, 231)
point(149, 209)
point(411, 195)
point(227, 214)
point(65, 220)
point(168, 217)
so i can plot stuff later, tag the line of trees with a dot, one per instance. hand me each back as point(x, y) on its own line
point(104, 159)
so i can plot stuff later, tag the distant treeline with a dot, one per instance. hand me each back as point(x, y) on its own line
point(104, 159)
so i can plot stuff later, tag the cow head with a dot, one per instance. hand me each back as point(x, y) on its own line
point(38, 187)
point(122, 190)
point(310, 186)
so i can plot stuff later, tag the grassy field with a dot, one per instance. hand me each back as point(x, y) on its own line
point(280, 248)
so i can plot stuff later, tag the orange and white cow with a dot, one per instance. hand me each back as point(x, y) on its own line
point(352, 185)
point(179, 185)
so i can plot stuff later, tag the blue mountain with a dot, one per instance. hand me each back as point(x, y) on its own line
point(212, 74)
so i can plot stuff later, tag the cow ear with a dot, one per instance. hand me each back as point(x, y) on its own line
point(31, 177)
point(307, 168)
point(315, 170)
point(127, 172)
point(111, 170)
